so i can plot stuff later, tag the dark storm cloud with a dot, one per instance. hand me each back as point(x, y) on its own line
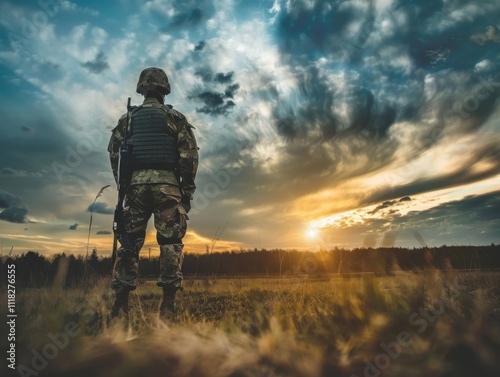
point(231, 90)
point(205, 74)
point(224, 78)
point(103, 232)
point(307, 32)
point(98, 65)
point(318, 109)
point(8, 200)
point(388, 204)
point(463, 100)
point(331, 126)
point(200, 46)
point(291, 122)
point(13, 212)
point(74, 226)
point(384, 205)
point(102, 208)
point(216, 103)
point(211, 99)
point(14, 215)
point(439, 31)
point(311, 30)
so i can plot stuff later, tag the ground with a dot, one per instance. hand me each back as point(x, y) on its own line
point(430, 323)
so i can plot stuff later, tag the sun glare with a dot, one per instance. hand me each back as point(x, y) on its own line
point(312, 233)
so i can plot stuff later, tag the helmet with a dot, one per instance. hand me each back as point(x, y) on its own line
point(151, 79)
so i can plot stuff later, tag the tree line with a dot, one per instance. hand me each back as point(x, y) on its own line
point(35, 270)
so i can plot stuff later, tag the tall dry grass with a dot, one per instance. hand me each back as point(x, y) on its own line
point(430, 323)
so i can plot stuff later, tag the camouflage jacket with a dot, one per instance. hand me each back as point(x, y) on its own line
point(186, 143)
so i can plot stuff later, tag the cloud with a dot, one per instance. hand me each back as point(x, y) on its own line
point(439, 55)
point(14, 215)
point(98, 65)
point(186, 19)
point(474, 216)
point(231, 90)
point(484, 66)
point(8, 200)
point(492, 34)
point(189, 15)
point(74, 226)
point(22, 173)
point(384, 205)
point(211, 99)
point(72, 7)
point(205, 74)
point(215, 101)
point(8, 171)
point(102, 208)
point(200, 46)
point(220, 109)
point(102, 232)
point(307, 28)
point(467, 217)
point(224, 78)
point(487, 157)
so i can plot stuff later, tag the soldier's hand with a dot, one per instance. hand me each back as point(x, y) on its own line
point(186, 203)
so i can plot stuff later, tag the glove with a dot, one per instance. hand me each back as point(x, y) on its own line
point(186, 203)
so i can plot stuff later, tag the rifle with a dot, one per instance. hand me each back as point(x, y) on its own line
point(123, 181)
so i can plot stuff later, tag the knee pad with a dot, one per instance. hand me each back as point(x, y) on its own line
point(122, 252)
point(167, 241)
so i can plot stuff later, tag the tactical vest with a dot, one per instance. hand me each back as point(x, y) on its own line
point(151, 146)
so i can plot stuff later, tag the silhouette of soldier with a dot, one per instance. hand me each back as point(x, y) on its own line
point(161, 167)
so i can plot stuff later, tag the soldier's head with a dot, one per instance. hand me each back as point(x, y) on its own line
point(153, 82)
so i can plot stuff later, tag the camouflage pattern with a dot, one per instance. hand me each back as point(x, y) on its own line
point(186, 143)
point(163, 201)
point(153, 79)
point(156, 192)
point(171, 258)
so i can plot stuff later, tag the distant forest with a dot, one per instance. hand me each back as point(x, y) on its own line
point(35, 270)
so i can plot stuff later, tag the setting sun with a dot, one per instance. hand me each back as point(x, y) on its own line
point(312, 233)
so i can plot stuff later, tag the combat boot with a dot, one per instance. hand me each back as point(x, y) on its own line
point(167, 307)
point(120, 307)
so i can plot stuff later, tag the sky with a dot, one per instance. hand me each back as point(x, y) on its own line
point(320, 124)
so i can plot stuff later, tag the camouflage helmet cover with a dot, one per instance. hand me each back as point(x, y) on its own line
point(151, 79)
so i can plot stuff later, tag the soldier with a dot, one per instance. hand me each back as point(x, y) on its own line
point(162, 164)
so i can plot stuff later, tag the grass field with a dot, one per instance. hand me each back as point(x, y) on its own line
point(423, 324)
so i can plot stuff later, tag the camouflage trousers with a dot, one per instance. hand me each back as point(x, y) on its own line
point(164, 202)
